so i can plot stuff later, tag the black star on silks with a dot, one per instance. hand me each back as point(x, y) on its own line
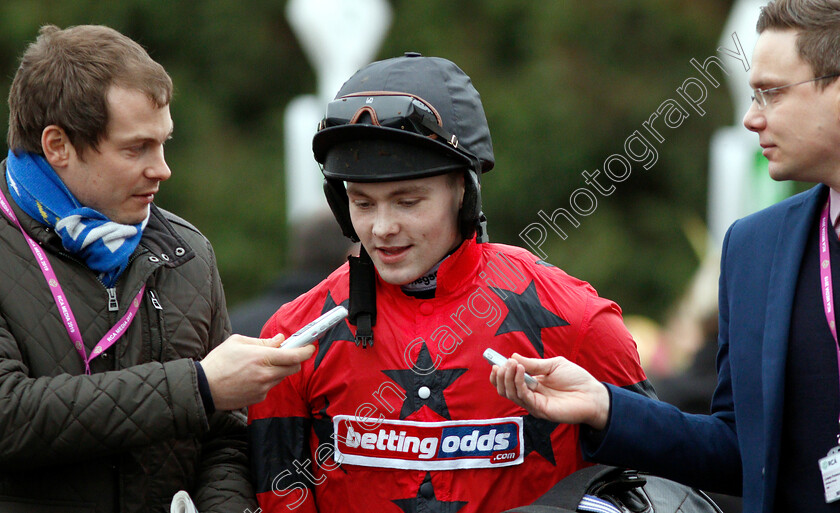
point(538, 437)
point(528, 315)
point(338, 332)
point(322, 424)
point(411, 380)
point(426, 502)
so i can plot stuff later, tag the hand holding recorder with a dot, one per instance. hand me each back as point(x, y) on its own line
point(494, 358)
point(564, 393)
point(241, 370)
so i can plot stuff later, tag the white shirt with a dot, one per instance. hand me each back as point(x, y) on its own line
point(834, 211)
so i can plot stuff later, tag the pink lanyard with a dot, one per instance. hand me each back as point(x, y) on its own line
point(61, 300)
point(825, 283)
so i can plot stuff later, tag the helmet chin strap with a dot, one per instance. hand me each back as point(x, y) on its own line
point(362, 297)
point(481, 230)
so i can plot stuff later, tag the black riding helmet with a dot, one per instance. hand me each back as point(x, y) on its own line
point(398, 119)
point(404, 118)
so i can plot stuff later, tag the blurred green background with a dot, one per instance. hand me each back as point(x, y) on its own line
point(564, 83)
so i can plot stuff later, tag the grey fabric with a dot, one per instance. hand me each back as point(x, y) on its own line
point(439, 82)
point(133, 433)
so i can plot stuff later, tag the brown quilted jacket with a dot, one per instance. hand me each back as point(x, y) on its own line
point(133, 433)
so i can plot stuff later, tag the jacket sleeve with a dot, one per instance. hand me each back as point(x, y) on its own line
point(657, 437)
point(64, 418)
point(607, 350)
point(224, 482)
point(280, 432)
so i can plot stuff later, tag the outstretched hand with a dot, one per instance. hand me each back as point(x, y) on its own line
point(241, 370)
point(565, 392)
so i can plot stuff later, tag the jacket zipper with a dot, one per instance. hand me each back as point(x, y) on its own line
point(113, 304)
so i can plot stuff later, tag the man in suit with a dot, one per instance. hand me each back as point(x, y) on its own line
point(774, 415)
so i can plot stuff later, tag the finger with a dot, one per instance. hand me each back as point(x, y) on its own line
point(285, 371)
point(522, 391)
point(284, 357)
point(510, 380)
point(301, 354)
point(500, 380)
point(308, 352)
point(536, 366)
point(508, 375)
point(275, 341)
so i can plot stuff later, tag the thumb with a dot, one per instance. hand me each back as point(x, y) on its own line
point(274, 341)
point(290, 357)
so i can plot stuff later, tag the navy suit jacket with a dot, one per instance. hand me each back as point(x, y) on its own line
point(734, 450)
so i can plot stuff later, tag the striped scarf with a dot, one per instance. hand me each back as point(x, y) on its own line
point(104, 245)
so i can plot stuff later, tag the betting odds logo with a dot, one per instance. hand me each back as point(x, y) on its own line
point(457, 444)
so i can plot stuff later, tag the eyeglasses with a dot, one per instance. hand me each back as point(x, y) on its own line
point(403, 111)
point(762, 96)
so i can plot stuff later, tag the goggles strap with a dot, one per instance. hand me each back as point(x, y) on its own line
point(438, 131)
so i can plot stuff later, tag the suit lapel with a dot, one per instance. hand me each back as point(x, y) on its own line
point(784, 272)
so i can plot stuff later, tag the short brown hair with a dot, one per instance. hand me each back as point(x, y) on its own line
point(817, 23)
point(64, 77)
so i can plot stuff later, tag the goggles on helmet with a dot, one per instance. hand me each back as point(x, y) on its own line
point(388, 109)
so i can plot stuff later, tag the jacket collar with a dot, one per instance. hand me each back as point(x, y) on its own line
point(458, 269)
point(161, 239)
point(454, 271)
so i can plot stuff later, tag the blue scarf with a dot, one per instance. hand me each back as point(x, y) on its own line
point(104, 245)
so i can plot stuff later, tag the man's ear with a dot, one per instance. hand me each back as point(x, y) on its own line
point(836, 98)
point(461, 184)
point(56, 146)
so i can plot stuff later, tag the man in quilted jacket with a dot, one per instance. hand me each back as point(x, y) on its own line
point(108, 303)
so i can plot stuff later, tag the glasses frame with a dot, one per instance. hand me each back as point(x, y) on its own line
point(760, 98)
